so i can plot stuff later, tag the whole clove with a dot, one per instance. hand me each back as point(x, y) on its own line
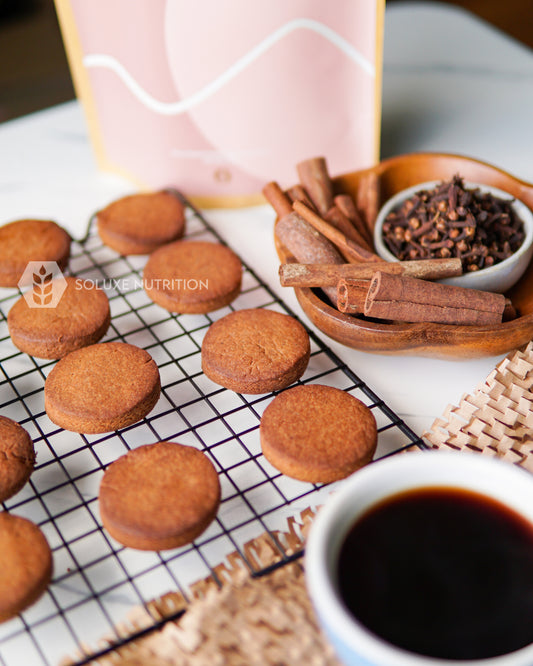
point(451, 220)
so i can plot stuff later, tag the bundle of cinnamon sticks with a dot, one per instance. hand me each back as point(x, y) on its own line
point(330, 236)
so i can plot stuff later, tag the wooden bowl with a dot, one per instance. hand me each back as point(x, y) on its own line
point(433, 340)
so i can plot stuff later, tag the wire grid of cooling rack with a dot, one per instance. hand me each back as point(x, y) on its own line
point(96, 580)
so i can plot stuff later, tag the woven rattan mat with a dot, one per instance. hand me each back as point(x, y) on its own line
point(233, 619)
point(269, 620)
point(496, 419)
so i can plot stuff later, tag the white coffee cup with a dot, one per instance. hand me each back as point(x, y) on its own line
point(354, 643)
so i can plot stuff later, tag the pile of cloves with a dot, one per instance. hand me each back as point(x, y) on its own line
point(451, 220)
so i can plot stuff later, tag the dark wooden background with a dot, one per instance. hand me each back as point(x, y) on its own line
point(34, 71)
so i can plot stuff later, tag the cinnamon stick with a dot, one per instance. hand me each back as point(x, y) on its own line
point(368, 197)
point(297, 193)
point(314, 176)
point(328, 275)
point(346, 205)
point(351, 250)
point(413, 300)
point(509, 312)
point(277, 198)
point(308, 246)
point(339, 220)
point(351, 295)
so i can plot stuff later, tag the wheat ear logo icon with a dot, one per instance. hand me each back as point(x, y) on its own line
point(42, 287)
point(43, 284)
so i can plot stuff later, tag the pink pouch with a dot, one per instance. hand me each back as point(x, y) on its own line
point(217, 97)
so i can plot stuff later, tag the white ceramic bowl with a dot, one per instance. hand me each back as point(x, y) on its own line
point(354, 644)
point(498, 278)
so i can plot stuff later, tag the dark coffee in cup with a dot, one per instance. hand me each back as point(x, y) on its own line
point(442, 572)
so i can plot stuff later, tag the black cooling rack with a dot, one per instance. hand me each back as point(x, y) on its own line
point(96, 580)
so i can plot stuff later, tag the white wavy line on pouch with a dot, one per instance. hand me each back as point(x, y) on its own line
point(175, 108)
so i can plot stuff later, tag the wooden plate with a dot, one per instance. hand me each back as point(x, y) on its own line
point(433, 340)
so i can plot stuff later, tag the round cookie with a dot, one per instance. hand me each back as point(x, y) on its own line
point(30, 240)
point(255, 351)
point(103, 387)
point(140, 223)
point(17, 457)
point(80, 318)
point(317, 433)
point(26, 567)
point(193, 277)
point(159, 496)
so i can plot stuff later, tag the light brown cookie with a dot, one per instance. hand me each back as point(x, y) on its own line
point(159, 496)
point(255, 351)
point(193, 276)
point(30, 240)
point(80, 318)
point(26, 567)
point(317, 433)
point(140, 223)
point(103, 387)
point(17, 458)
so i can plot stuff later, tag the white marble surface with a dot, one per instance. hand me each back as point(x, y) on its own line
point(455, 84)
point(451, 83)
